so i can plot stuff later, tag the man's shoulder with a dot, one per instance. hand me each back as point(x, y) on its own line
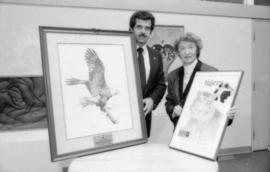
point(153, 52)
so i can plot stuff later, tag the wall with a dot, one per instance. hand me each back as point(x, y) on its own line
point(227, 45)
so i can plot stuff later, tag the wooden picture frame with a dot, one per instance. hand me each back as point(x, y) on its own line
point(93, 93)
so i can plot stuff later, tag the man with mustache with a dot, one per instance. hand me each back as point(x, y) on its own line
point(153, 86)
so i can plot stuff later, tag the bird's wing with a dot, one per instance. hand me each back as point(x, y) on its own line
point(95, 71)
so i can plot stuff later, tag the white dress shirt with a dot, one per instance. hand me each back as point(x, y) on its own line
point(146, 61)
point(188, 72)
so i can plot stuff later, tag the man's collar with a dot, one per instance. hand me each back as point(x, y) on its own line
point(143, 47)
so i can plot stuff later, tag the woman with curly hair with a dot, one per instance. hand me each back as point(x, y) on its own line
point(188, 48)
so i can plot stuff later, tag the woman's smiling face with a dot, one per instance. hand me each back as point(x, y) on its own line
point(187, 52)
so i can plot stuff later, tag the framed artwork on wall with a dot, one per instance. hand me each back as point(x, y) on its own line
point(22, 103)
point(203, 121)
point(93, 91)
point(162, 39)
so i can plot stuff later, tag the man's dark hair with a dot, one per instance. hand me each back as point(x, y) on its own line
point(142, 15)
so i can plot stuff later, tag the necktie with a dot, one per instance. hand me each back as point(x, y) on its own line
point(141, 67)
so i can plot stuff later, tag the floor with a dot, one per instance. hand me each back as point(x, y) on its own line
point(258, 161)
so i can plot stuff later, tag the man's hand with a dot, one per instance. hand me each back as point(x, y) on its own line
point(231, 113)
point(148, 105)
point(177, 110)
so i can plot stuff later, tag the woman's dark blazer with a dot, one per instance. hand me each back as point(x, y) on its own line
point(176, 95)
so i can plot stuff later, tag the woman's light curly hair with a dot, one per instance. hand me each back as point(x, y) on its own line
point(189, 37)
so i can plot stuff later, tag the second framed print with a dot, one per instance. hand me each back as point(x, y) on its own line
point(93, 93)
point(203, 120)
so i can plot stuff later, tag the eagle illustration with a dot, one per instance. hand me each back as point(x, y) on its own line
point(96, 84)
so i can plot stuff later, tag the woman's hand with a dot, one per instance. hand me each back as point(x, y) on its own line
point(177, 110)
point(231, 113)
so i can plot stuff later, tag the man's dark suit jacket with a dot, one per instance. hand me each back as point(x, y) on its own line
point(155, 86)
point(176, 95)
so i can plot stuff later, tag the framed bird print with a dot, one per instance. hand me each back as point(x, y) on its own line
point(203, 120)
point(93, 94)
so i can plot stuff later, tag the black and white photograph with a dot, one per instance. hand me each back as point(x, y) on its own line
point(108, 85)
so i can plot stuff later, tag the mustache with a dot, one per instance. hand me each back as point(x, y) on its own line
point(142, 35)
